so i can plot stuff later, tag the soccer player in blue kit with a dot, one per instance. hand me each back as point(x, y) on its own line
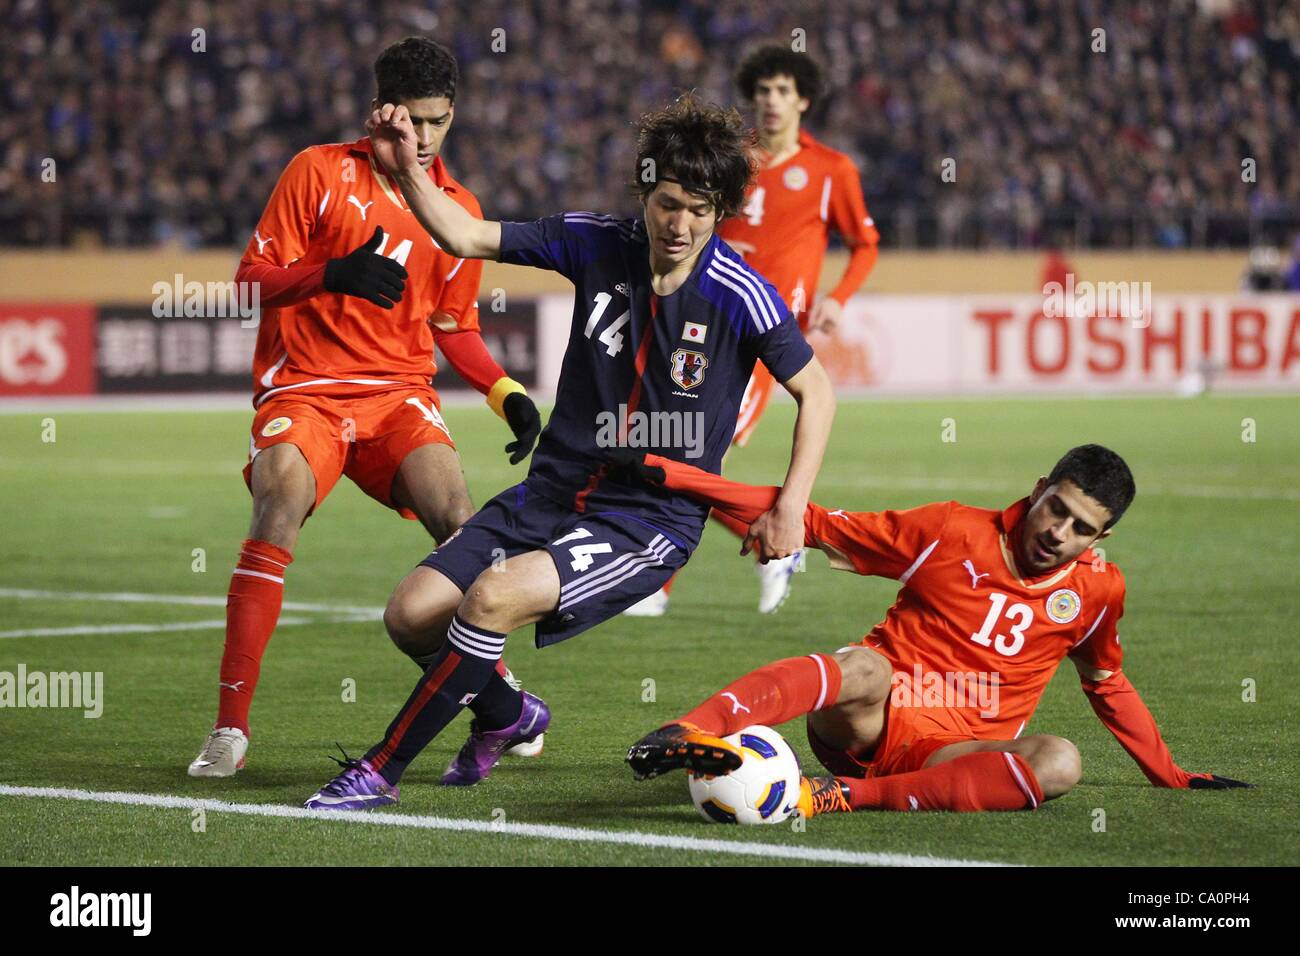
point(668, 322)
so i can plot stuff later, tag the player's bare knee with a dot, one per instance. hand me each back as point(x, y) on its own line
point(277, 517)
point(1056, 764)
point(864, 676)
point(400, 624)
point(489, 597)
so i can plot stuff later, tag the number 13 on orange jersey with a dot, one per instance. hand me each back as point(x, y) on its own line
point(1021, 614)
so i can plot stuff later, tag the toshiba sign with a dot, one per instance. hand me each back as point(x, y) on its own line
point(982, 344)
point(47, 349)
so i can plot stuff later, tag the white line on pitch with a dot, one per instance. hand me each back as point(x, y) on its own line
point(538, 831)
point(193, 600)
point(212, 625)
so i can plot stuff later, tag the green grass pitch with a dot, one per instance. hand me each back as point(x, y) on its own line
point(120, 501)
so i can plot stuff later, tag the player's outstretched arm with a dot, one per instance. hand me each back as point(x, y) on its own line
point(884, 543)
point(1120, 707)
point(456, 231)
point(740, 501)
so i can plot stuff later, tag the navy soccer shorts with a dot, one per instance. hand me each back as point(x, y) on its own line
point(607, 561)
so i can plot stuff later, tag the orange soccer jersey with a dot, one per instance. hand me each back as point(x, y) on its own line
point(789, 214)
point(965, 619)
point(972, 642)
point(327, 203)
point(968, 634)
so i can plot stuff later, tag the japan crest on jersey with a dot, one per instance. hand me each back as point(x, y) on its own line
point(688, 367)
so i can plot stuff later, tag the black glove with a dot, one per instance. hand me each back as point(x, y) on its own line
point(524, 421)
point(374, 278)
point(627, 466)
point(1215, 782)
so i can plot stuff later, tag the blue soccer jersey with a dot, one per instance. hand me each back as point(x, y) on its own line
point(664, 374)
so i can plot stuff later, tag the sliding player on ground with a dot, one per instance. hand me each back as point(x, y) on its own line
point(803, 192)
point(355, 294)
point(667, 325)
point(928, 712)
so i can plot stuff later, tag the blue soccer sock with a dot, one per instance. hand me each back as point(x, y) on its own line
point(497, 705)
point(463, 667)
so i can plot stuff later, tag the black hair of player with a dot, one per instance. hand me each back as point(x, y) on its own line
point(706, 148)
point(777, 60)
point(1100, 474)
point(416, 68)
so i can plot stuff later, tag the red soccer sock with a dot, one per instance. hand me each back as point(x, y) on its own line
point(732, 524)
point(771, 695)
point(668, 585)
point(991, 780)
point(252, 608)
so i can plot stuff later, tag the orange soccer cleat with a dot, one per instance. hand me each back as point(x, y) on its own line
point(676, 746)
point(822, 795)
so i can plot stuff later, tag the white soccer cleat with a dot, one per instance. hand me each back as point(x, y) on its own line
point(514, 682)
point(774, 580)
point(653, 605)
point(222, 754)
point(531, 748)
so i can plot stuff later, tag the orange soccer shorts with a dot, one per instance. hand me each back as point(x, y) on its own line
point(910, 737)
point(364, 437)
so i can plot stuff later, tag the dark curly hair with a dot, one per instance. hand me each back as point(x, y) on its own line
point(415, 68)
point(706, 148)
point(777, 60)
point(1100, 474)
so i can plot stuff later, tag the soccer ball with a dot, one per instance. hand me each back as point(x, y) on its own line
point(763, 789)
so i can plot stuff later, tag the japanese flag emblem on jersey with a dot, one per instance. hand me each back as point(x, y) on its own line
point(694, 332)
point(688, 367)
point(1063, 605)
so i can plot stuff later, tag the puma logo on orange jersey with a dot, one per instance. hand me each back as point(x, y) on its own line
point(360, 208)
point(974, 578)
point(261, 243)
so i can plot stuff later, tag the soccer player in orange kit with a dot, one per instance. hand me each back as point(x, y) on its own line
point(804, 191)
point(355, 295)
point(927, 712)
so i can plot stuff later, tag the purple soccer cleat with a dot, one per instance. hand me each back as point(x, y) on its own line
point(485, 747)
point(358, 787)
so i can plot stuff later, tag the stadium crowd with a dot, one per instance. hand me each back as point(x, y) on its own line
point(1174, 125)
